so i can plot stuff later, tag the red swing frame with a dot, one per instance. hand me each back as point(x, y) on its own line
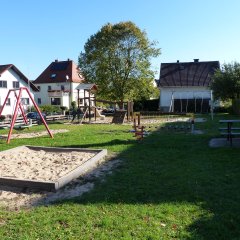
point(19, 106)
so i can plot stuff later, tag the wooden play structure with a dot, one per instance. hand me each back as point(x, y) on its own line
point(138, 130)
point(19, 109)
point(120, 115)
point(88, 105)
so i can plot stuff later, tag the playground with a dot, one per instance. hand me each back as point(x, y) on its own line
point(171, 178)
point(159, 169)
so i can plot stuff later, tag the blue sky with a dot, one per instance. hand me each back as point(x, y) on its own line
point(36, 32)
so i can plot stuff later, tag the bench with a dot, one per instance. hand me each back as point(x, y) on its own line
point(225, 129)
point(230, 135)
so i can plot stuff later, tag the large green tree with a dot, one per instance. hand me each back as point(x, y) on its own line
point(226, 82)
point(117, 58)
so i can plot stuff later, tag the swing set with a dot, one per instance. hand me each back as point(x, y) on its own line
point(19, 107)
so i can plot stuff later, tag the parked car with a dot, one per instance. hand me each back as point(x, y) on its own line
point(108, 111)
point(35, 115)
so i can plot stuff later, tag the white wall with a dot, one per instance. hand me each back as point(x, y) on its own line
point(10, 76)
point(182, 93)
point(45, 96)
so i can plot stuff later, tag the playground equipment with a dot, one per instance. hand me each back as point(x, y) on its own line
point(138, 130)
point(19, 107)
point(119, 115)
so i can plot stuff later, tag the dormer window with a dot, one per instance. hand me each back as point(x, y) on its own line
point(53, 75)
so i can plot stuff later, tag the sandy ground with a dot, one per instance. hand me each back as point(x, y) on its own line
point(108, 120)
point(34, 134)
point(15, 198)
point(40, 165)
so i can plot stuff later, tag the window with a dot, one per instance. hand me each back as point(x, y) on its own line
point(39, 100)
point(80, 101)
point(39, 88)
point(53, 75)
point(62, 87)
point(55, 101)
point(8, 102)
point(3, 84)
point(25, 101)
point(15, 84)
point(49, 88)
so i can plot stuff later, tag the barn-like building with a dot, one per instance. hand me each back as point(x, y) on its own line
point(184, 86)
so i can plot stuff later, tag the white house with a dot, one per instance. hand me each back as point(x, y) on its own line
point(59, 85)
point(12, 78)
point(184, 86)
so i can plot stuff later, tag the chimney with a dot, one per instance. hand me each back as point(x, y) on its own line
point(69, 59)
point(56, 60)
point(177, 61)
point(196, 60)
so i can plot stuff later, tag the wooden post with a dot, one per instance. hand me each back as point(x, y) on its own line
point(89, 107)
point(78, 97)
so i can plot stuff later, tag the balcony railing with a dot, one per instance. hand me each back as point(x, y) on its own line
point(58, 93)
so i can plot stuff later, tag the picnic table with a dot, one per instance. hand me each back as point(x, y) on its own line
point(230, 131)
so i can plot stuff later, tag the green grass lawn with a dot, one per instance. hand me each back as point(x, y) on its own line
point(169, 186)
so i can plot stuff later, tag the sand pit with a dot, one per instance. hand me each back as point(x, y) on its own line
point(40, 165)
point(44, 167)
point(15, 198)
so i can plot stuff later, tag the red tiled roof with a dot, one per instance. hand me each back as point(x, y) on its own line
point(4, 68)
point(60, 71)
point(187, 73)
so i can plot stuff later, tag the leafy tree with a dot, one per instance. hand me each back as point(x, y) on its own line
point(226, 82)
point(117, 59)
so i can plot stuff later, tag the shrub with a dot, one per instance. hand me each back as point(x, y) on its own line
point(146, 105)
point(2, 118)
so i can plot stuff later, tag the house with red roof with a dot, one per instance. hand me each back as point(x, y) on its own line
point(59, 84)
point(12, 78)
point(185, 86)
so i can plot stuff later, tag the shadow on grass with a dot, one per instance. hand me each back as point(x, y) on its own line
point(102, 145)
point(175, 169)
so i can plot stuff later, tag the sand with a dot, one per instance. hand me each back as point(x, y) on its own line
point(16, 198)
point(40, 165)
point(34, 134)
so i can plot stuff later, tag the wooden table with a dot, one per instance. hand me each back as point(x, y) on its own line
point(229, 131)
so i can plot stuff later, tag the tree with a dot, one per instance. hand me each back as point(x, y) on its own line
point(117, 59)
point(226, 82)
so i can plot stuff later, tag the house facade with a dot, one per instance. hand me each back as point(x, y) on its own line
point(184, 86)
point(12, 78)
point(59, 85)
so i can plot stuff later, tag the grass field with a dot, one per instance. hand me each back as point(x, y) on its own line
point(169, 186)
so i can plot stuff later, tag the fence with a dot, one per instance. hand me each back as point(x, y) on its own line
point(20, 121)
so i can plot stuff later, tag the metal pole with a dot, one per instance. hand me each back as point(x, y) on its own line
point(14, 116)
point(21, 109)
point(40, 114)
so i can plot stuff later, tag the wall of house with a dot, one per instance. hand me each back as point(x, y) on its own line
point(11, 76)
point(181, 93)
point(45, 96)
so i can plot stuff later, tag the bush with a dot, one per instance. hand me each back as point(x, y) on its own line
point(48, 109)
point(236, 106)
point(146, 105)
point(2, 118)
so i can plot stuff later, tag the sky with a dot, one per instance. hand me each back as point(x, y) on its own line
point(36, 32)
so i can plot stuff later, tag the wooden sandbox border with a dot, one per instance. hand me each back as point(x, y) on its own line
point(55, 185)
